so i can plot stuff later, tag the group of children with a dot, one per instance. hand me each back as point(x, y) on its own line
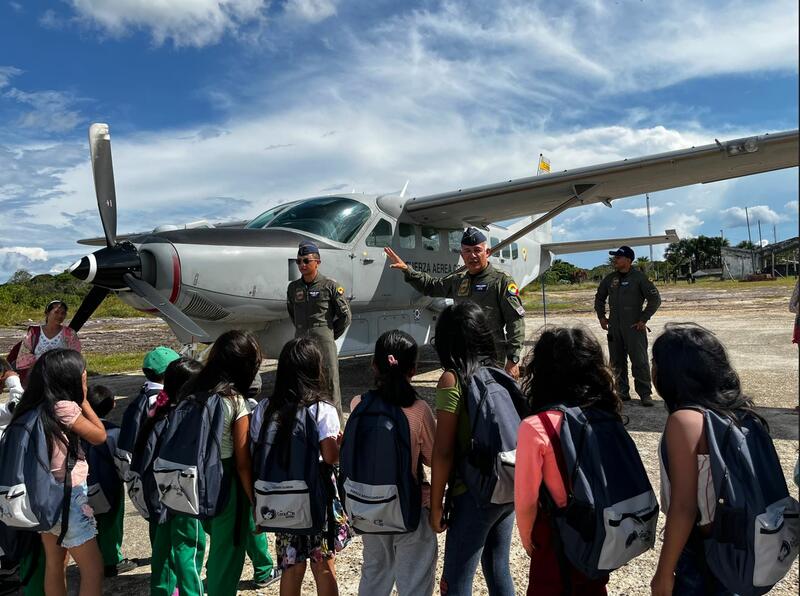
point(565, 369)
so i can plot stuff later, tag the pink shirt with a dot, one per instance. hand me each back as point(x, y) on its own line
point(536, 461)
point(67, 413)
point(422, 428)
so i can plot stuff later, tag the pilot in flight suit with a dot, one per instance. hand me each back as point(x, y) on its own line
point(626, 290)
point(493, 290)
point(318, 307)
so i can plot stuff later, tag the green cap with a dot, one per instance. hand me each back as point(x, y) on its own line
point(158, 359)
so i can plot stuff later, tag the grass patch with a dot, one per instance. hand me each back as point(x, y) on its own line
point(20, 314)
point(104, 364)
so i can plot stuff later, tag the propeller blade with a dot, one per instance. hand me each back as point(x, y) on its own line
point(93, 299)
point(149, 294)
point(103, 170)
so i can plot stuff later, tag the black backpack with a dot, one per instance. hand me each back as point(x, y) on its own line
point(142, 487)
point(104, 485)
point(379, 493)
point(132, 420)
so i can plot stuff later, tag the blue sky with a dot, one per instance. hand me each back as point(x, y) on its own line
point(221, 108)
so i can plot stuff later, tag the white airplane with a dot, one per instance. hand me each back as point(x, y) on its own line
point(206, 280)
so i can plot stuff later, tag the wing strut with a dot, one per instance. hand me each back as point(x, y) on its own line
point(580, 193)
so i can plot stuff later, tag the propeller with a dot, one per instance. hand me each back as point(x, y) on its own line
point(115, 266)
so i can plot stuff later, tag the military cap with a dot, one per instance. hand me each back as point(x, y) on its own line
point(472, 237)
point(622, 251)
point(307, 248)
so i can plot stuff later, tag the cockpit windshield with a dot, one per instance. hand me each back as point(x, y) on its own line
point(335, 218)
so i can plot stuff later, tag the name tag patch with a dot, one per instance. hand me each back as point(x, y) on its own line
point(625, 283)
point(481, 287)
point(313, 294)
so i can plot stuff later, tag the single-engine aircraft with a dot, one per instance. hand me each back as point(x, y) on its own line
point(204, 280)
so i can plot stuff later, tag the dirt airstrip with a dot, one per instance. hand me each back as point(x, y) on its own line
point(752, 321)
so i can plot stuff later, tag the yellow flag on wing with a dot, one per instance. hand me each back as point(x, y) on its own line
point(544, 165)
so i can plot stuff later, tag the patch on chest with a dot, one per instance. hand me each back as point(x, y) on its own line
point(481, 287)
point(299, 296)
point(463, 288)
point(313, 294)
point(625, 283)
point(615, 282)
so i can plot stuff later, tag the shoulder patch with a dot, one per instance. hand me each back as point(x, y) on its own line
point(340, 291)
point(512, 289)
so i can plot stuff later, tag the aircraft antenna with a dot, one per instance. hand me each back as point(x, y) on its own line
point(405, 188)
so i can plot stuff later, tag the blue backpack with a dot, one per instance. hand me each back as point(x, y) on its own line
point(380, 494)
point(188, 466)
point(755, 534)
point(495, 406)
point(142, 487)
point(104, 485)
point(132, 420)
point(291, 490)
point(611, 511)
point(30, 496)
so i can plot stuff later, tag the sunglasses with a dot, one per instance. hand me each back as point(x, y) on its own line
point(305, 261)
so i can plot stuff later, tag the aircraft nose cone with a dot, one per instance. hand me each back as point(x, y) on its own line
point(84, 269)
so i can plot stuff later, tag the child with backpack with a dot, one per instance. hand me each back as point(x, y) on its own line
point(12, 384)
point(295, 436)
point(731, 525)
point(161, 526)
point(105, 486)
point(478, 529)
point(402, 555)
point(153, 366)
point(203, 468)
point(569, 385)
point(56, 394)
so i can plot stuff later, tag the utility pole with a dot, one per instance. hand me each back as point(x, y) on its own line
point(750, 238)
point(774, 235)
point(649, 229)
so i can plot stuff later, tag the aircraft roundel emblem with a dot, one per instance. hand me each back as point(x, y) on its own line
point(340, 291)
point(513, 290)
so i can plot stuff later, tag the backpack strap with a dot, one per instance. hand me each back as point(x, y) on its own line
point(555, 441)
point(67, 495)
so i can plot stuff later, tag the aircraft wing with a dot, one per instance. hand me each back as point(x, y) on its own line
point(101, 240)
point(602, 183)
point(565, 248)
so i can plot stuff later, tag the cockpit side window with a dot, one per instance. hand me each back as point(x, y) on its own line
point(494, 242)
point(454, 240)
point(506, 252)
point(336, 218)
point(262, 221)
point(514, 250)
point(407, 235)
point(430, 238)
point(381, 234)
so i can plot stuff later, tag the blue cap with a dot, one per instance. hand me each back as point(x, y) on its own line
point(307, 248)
point(472, 237)
point(623, 251)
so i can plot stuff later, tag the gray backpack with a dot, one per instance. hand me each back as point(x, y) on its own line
point(30, 497)
point(188, 468)
point(611, 511)
point(495, 406)
point(756, 529)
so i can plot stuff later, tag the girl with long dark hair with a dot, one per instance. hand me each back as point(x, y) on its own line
point(464, 343)
point(300, 382)
point(229, 370)
point(57, 385)
point(566, 368)
point(691, 372)
point(409, 560)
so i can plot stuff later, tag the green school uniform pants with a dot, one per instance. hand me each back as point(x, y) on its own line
point(226, 554)
point(258, 552)
point(179, 546)
point(33, 563)
point(109, 532)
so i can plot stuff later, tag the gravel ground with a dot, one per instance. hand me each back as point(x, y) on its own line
point(753, 322)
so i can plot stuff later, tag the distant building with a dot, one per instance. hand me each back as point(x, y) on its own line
point(738, 263)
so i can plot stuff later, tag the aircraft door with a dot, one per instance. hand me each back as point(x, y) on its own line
point(373, 281)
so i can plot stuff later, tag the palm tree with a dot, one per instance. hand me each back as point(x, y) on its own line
point(642, 263)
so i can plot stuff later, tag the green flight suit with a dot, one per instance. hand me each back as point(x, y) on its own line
point(320, 309)
point(626, 294)
point(491, 289)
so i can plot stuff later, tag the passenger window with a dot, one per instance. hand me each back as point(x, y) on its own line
point(506, 252)
point(430, 238)
point(515, 251)
point(408, 236)
point(492, 243)
point(381, 234)
point(454, 240)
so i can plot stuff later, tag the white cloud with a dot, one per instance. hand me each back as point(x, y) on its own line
point(33, 253)
point(16, 7)
point(736, 217)
point(792, 207)
point(52, 110)
point(684, 224)
point(642, 211)
point(6, 73)
point(193, 23)
point(312, 11)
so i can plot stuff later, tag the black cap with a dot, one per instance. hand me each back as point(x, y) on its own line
point(307, 248)
point(472, 237)
point(623, 251)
